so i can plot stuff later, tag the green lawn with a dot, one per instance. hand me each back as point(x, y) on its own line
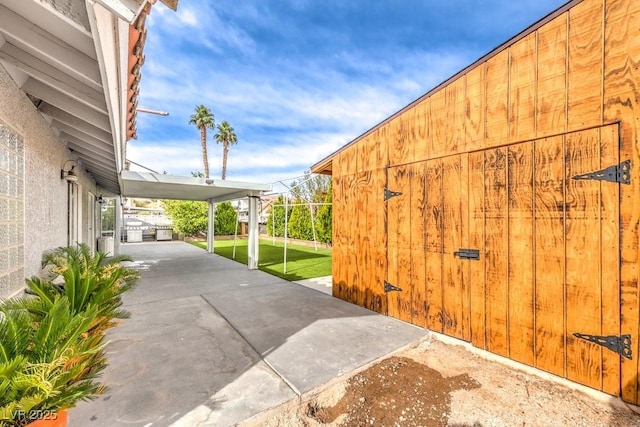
point(303, 262)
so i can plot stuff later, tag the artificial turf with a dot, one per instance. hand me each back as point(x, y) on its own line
point(303, 262)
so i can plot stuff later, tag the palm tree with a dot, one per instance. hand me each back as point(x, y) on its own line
point(225, 136)
point(203, 119)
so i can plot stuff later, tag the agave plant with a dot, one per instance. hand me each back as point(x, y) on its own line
point(48, 363)
point(88, 281)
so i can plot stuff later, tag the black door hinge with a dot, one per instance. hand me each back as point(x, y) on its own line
point(617, 173)
point(464, 253)
point(619, 344)
point(388, 287)
point(389, 194)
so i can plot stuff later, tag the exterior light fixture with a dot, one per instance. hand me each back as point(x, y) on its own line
point(70, 174)
point(100, 199)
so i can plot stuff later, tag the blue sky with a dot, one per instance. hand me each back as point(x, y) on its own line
point(298, 79)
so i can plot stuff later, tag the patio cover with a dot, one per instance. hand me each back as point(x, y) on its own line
point(159, 186)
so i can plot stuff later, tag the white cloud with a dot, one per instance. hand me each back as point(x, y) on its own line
point(290, 105)
point(187, 17)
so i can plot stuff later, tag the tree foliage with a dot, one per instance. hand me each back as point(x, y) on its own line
point(191, 218)
point(203, 119)
point(324, 219)
point(300, 222)
point(225, 219)
point(275, 222)
point(226, 136)
point(299, 218)
point(188, 217)
point(311, 188)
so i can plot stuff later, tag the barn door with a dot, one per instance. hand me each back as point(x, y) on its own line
point(592, 276)
point(546, 291)
point(428, 266)
point(398, 286)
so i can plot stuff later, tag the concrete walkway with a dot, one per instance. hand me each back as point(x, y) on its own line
point(213, 344)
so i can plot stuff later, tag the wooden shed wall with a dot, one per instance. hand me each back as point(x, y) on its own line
point(576, 72)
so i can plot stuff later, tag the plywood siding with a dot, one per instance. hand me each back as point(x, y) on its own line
point(515, 128)
point(497, 100)
point(549, 249)
point(551, 77)
point(522, 89)
point(621, 102)
point(520, 255)
point(584, 65)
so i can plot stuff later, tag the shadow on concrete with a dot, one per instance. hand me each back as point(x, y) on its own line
point(212, 343)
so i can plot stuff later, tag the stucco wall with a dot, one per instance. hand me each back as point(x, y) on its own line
point(45, 194)
point(75, 10)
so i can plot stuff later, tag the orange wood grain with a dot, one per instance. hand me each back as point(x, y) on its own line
point(438, 124)
point(476, 240)
point(417, 238)
point(496, 249)
point(522, 89)
point(549, 243)
point(585, 78)
point(423, 131)
point(393, 230)
point(455, 105)
point(434, 223)
point(583, 269)
point(453, 304)
point(521, 254)
point(475, 108)
point(497, 101)
point(379, 206)
point(610, 258)
point(404, 177)
point(621, 101)
point(364, 221)
point(339, 262)
point(551, 77)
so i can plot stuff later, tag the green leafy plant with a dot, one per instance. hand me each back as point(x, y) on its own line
point(88, 281)
point(49, 363)
point(52, 343)
point(188, 217)
point(225, 219)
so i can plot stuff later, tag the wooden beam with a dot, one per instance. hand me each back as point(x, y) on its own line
point(44, 45)
point(53, 77)
point(91, 140)
point(99, 171)
point(69, 121)
point(88, 148)
point(64, 102)
point(74, 122)
point(238, 195)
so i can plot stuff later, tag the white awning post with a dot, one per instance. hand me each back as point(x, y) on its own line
point(313, 228)
point(235, 233)
point(286, 211)
point(211, 227)
point(118, 224)
point(254, 247)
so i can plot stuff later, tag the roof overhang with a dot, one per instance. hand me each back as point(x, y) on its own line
point(80, 66)
point(160, 186)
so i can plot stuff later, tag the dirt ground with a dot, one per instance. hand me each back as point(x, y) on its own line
point(439, 384)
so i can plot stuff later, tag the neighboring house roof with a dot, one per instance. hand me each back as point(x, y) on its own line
point(76, 62)
point(325, 166)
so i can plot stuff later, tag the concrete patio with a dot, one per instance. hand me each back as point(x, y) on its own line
point(211, 343)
